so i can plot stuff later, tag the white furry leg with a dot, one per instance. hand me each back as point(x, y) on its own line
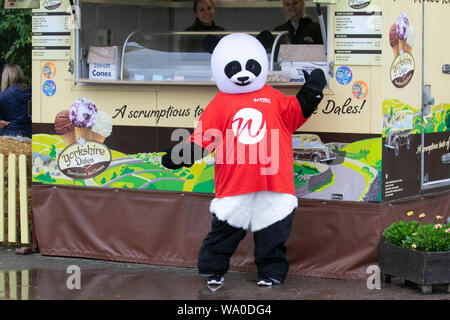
point(254, 211)
point(270, 207)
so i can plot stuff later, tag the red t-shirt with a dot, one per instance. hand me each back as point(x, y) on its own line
point(251, 134)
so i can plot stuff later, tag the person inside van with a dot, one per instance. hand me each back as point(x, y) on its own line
point(302, 30)
point(204, 21)
point(204, 13)
point(14, 98)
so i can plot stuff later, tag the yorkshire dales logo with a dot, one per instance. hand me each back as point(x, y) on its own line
point(402, 70)
point(84, 160)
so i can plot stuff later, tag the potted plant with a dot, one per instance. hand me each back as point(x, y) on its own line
point(416, 252)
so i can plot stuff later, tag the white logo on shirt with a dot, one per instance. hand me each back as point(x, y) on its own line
point(248, 126)
point(265, 100)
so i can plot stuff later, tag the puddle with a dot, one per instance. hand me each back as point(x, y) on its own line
point(14, 285)
point(73, 283)
point(76, 284)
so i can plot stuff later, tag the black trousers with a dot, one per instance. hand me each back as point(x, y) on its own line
point(270, 251)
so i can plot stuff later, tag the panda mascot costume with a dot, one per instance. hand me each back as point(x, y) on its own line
point(249, 125)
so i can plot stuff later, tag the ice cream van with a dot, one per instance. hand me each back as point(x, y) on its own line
point(102, 177)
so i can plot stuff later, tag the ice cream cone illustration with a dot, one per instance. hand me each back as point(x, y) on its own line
point(393, 40)
point(64, 127)
point(98, 137)
point(69, 138)
point(402, 46)
point(83, 114)
point(84, 133)
point(103, 128)
point(402, 27)
point(411, 39)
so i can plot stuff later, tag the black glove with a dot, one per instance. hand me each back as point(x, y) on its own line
point(311, 94)
point(166, 160)
point(196, 152)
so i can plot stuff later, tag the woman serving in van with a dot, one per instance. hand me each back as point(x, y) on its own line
point(204, 13)
point(302, 30)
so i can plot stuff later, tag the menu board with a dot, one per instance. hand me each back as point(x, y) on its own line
point(51, 25)
point(358, 34)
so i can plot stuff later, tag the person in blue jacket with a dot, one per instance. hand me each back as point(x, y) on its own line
point(15, 96)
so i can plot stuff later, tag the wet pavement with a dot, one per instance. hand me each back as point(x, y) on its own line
point(37, 277)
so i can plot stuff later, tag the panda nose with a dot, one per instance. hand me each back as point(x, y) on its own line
point(243, 79)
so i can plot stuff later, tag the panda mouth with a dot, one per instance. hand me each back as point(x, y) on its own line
point(242, 84)
point(242, 81)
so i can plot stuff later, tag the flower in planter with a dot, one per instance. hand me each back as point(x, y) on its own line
point(425, 237)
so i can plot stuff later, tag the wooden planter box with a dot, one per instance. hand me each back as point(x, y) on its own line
point(422, 268)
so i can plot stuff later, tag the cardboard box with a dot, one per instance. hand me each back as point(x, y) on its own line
point(295, 69)
point(104, 63)
point(295, 58)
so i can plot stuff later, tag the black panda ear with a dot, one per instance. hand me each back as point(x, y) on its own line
point(266, 38)
point(210, 42)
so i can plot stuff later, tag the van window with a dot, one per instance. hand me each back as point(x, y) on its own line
point(149, 40)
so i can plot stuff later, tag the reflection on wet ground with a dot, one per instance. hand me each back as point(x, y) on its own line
point(172, 285)
point(37, 277)
point(104, 284)
point(14, 285)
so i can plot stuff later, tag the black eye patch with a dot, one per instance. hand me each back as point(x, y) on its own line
point(253, 66)
point(232, 68)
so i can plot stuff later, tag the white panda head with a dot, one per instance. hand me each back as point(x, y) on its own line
point(239, 64)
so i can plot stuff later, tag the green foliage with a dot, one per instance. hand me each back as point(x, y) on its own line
point(378, 165)
point(125, 170)
point(427, 237)
point(52, 153)
point(367, 172)
point(206, 186)
point(45, 177)
point(418, 129)
point(308, 168)
point(430, 129)
point(398, 231)
point(430, 238)
point(15, 38)
point(417, 121)
point(442, 127)
point(362, 154)
point(447, 119)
